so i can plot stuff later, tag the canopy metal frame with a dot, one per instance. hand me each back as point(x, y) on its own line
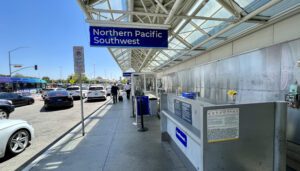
point(195, 26)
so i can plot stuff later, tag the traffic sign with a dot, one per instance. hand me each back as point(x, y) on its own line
point(17, 66)
point(78, 54)
point(72, 81)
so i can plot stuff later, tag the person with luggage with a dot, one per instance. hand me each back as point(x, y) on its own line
point(120, 98)
point(114, 92)
point(127, 88)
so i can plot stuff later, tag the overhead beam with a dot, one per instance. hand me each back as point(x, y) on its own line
point(179, 38)
point(109, 6)
point(169, 18)
point(162, 7)
point(105, 23)
point(84, 9)
point(161, 15)
point(239, 12)
point(145, 8)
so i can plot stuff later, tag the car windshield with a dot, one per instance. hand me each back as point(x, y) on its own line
point(57, 93)
point(96, 88)
point(73, 88)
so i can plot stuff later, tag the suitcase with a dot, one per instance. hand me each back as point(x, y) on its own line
point(120, 98)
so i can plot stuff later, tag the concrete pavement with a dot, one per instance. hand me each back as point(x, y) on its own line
point(48, 125)
point(111, 143)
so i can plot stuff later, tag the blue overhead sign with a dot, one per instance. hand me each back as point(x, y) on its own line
point(181, 136)
point(127, 74)
point(128, 37)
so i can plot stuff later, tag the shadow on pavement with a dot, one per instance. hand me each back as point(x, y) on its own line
point(91, 101)
point(8, 156)
point(54, 109)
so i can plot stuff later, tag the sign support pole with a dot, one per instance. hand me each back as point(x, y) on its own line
point(78, 70)
point(81, 101)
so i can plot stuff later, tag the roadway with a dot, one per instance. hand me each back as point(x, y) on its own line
point(48, 125)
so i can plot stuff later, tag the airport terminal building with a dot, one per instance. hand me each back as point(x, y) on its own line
point(216, 52)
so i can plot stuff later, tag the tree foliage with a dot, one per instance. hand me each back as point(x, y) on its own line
point(47, 79)
point(75, 79)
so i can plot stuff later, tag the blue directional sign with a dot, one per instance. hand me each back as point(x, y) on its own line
point(127, 74)
point(128, 37)
point(181, 137)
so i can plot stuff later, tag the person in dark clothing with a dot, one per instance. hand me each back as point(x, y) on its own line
point(114, 92)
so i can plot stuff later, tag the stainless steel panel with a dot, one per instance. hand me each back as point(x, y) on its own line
point(254, 150)
point(259, 76)
point(293, 127)
point(227, 78)
point(210, 81)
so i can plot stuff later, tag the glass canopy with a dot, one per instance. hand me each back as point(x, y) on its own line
point(195, 26)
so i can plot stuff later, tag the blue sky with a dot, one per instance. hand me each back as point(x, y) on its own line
point(50, 28)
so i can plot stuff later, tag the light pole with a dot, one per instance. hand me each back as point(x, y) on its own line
point(94, 75)
point(9, 61)
point(60, 74)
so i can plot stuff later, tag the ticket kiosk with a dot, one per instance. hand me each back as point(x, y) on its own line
point(212, 137)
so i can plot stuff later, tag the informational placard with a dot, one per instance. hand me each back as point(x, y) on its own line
point(78, 54)
point(222, 125)
point(128, 37)
point(181, 136)
point(177, 108)
point(186, 110)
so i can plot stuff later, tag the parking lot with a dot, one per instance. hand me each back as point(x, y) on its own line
point(48, 125)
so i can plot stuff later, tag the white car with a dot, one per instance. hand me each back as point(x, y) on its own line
point(74, 91)
point(108, 90)
point(96, 93)
point(15, 136)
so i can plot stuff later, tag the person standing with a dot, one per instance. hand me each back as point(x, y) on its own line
point(127, 89)
point(114, 92)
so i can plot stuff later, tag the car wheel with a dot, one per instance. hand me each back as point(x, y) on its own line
point(46, 107)
point(29, 102)
point(18, 141)
point(3, 114)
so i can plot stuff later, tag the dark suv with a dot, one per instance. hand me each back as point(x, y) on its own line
point(6, 108)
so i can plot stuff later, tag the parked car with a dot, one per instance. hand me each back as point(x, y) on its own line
point(74, 91)
point(17, 100)
point(15, 136)
point(58, 99)
point(59, 89)
point(96, 93)
point(85, 91)
point(108, 90)
point(45, 91)
point(6, 107)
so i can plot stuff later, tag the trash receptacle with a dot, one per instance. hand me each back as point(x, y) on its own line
point(153, 106)
point(144, 107)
